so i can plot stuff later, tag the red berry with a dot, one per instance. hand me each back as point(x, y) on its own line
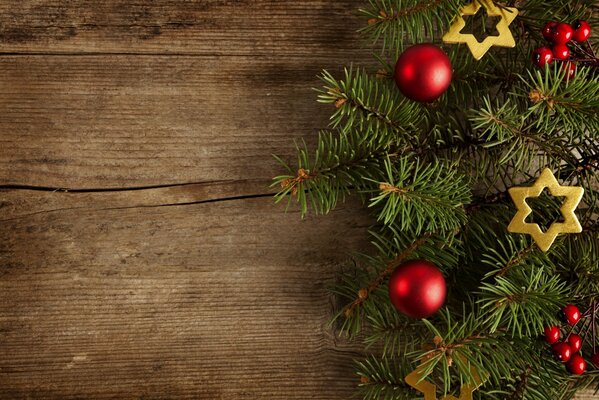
point(571, 312)
point(575, 343)
point(562, 351)
point(549, 30)
point(582, 31)
point(552, 334)
point(577, 365)
point(595, 359)
point(542, 56)
point(563, 33)
point(571, 69)
point(560, 52)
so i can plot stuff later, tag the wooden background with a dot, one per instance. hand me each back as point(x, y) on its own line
point(141, 255)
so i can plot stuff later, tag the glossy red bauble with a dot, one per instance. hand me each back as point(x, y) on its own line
point(577, 365)
point(549, 30)
point(542, 56)
point(575, 342)
point(552, 334)
point(582, 31)
point(423, 72)
point(571, 312)
point(417, 288)
point(560, 52)
point(595, 359)
point(562, 351)
point(562, 33)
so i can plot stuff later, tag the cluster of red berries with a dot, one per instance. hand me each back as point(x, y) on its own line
point(567, 351)
point(559, 35)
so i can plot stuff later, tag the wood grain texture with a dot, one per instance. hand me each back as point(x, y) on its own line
point(108, 102)
point(203, 27)
point(153, 276)
point(123, 121)
point(223, 300)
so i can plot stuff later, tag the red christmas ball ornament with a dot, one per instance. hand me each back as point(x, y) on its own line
point(582, 31)
point(562, 351)
point(549, 30)
point(572, 314)
point(423, 72)
point(542, 56)
point(560, 52)
point(575, 342)
point(562, 33)
point(595, 359)
point(552, 334)
point(577, 365)
point(417, 288)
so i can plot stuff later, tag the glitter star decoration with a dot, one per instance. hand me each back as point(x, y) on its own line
point(572, 195)
point(415, 380)
point(479, 49)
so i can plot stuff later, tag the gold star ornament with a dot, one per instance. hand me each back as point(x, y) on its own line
point(519, 195)
point(479, 49)
point(415, 380)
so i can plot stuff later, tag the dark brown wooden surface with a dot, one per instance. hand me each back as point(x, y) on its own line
point(140, 253)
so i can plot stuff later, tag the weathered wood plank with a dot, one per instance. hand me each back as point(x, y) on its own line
point(15, 204)
point(122, 121)
point(224, 300)
point(209, 27)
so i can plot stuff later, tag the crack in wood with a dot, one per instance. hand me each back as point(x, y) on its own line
point(104, 190)
point(84, 53)
point(187, 203)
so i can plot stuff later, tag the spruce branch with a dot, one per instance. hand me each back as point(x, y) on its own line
point(364, 292)
point(383, 379)
point(370, 105)
point(427, 197)
point(442, 248)
point(523, 302)
point(576, 260)
point(568, 107)
point(392, 22)
point(341, 162)
point(392, 331)
point(521, 385)
point(515, 260)
point(463, 346)
point(518, 144)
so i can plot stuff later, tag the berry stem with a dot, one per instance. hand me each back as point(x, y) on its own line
point(588, 54)
point(594, 326)
point(586, 330)
point(590, 49)
point(586, 60)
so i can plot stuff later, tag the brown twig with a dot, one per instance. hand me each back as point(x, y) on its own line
point(389, 188)
point(363, 293)
point(518, 393)
point(405, 11)
point(519, 257)
point(302, 176)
